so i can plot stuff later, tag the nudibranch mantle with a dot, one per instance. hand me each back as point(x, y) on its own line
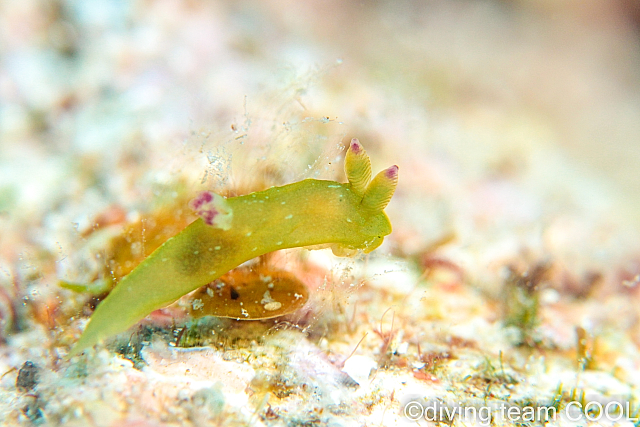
point(344, 216)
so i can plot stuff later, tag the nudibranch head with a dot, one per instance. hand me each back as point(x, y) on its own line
point(377, 192)
point(373, 195)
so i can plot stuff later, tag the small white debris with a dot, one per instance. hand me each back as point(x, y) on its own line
point(403, 348)
point(631, 283)
point(210, 292)
point(245, 313)
point(418, 365)
point(359, 368)
point(266, 298)
point(269, 303)
point(197, 304)
point(288, 216)
point(273, 306)
point(549, 296)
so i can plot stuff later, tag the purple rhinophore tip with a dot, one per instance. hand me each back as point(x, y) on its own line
point(392, 172)
point(355, 146)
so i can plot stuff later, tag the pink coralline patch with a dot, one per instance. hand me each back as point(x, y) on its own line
point(392, 172)
point(355, 146)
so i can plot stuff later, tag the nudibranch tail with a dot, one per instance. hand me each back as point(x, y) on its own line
point(381, 189)
point(357, 167)
point(213, 209)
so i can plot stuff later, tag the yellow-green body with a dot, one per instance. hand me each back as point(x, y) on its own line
point(305, 213)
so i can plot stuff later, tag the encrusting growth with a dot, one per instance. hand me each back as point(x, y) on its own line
point(344, 216)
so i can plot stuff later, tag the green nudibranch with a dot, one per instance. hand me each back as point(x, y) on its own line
point(346, 217)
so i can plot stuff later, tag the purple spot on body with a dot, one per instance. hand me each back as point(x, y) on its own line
point(355, 146)
point(203, 206)
point(204, 197)
point(392, 172)
point(208, 215)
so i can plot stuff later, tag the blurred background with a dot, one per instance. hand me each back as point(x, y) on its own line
point(506, 113)
point(89, 80)
point(515, 124)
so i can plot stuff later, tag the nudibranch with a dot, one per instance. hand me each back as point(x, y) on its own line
point(347, 217)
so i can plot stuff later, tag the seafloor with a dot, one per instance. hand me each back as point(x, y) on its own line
point(508, 290)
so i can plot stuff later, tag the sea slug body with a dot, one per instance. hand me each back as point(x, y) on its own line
point(346, 216)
